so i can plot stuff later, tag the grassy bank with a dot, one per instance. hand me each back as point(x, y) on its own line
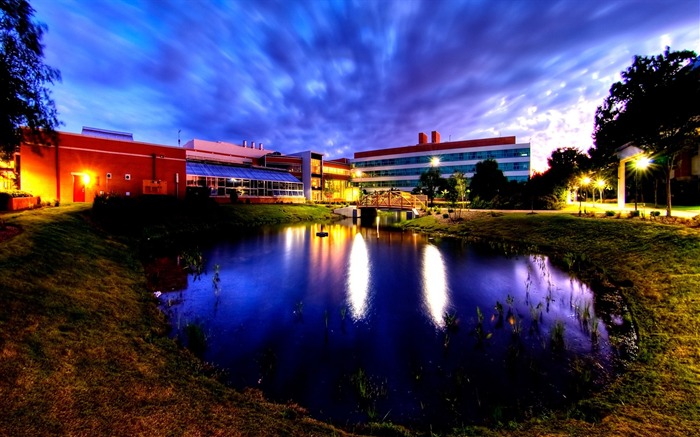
point(84, 350)
point(657, 269)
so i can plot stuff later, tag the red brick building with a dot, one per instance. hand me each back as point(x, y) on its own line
point(98, 161)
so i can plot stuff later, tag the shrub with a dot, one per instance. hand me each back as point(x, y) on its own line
point(609, 213)
point(15, 193)
point(6, 196)
point(445, 215)
point(634, 213)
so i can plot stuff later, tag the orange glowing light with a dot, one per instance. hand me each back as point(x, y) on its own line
point(86, 179)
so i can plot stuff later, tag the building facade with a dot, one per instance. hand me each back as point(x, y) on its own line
point(97, 161)
point(400, 167)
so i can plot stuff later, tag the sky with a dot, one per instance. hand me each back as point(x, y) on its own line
point(338, 77)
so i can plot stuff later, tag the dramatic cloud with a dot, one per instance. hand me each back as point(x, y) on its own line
point(344, 76)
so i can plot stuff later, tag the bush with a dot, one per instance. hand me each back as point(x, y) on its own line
point(445, 215)
point(634, 213)
point(15, 193)
point(609, 213)
point(6, 196)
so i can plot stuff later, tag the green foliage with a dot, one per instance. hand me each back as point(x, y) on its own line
point(488, 180)
point(548, 190)
point(557, 336)
point(15, 193)
point(654, 107)
point(430, 183)
point(26, 100)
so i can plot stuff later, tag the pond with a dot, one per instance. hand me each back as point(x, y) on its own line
point(368, 324)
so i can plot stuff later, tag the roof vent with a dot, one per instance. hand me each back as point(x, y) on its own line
point(104, 133)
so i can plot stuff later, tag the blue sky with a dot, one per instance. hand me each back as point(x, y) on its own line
point(344, 76)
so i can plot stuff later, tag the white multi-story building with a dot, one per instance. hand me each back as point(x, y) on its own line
point(401, 167)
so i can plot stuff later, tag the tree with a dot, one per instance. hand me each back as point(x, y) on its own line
point(655, 107)
point(566, 167)
point(487, 181)
point(430, 183)
point(460, 186)
point(28, 110)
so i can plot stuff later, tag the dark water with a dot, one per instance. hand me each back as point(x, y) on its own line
point(352, 326)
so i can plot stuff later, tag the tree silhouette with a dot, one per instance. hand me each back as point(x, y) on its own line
point(655, 107)
point(26, 100)
point(487, 181)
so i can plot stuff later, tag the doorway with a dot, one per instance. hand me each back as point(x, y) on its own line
point(78, 188)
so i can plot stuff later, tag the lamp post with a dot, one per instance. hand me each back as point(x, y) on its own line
point(640, 164)
point(600, 183)
point(358, 174)
point(584, 183)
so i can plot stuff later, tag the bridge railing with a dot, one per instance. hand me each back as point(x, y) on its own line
point(393, 200)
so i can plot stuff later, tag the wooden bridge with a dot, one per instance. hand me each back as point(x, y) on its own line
point(392, 200)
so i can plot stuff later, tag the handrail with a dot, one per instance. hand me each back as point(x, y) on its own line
point(393, 199)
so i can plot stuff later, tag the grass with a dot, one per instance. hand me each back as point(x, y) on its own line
point(84, 350)
point(656, 268)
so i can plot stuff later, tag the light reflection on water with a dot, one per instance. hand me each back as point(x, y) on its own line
point(359, 272)
point(435, 284)
point(277, 322)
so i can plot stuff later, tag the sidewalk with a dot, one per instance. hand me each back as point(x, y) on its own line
point(686, 212)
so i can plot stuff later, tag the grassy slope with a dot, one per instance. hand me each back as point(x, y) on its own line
point(83, 350)
point(660, 393)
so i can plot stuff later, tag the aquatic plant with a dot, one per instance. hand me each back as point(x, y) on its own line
point(516, 324)
point(557, 336)
point(536, 315)
point(499, 312)
point(569, 259)
point(195, 338)
point(481, 335)
point(509, 301)
point(450, 320)
point(368, 391)
point(299, 310)
point(192, 261)
point(594, 330)
point(216, 279)
point(343, 312)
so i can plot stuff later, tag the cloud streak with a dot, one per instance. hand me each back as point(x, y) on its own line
point(345, 76)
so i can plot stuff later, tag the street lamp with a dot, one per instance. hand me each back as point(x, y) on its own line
point(600, 183)
point(358, 174)
point(584, 183)
point(640, 164)
point(435, 161)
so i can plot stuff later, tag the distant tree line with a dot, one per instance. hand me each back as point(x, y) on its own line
point(656, 108)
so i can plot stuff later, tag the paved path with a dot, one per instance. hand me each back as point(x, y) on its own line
point(573, 209)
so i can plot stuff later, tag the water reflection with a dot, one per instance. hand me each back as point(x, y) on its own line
point(358, 277)
point(435, 290)
point(297, 315)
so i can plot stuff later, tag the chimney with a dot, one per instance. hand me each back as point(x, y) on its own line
point(261, 146)
point(252, 145)
point(245, 143)
point(422, 138)
point(435, 136)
